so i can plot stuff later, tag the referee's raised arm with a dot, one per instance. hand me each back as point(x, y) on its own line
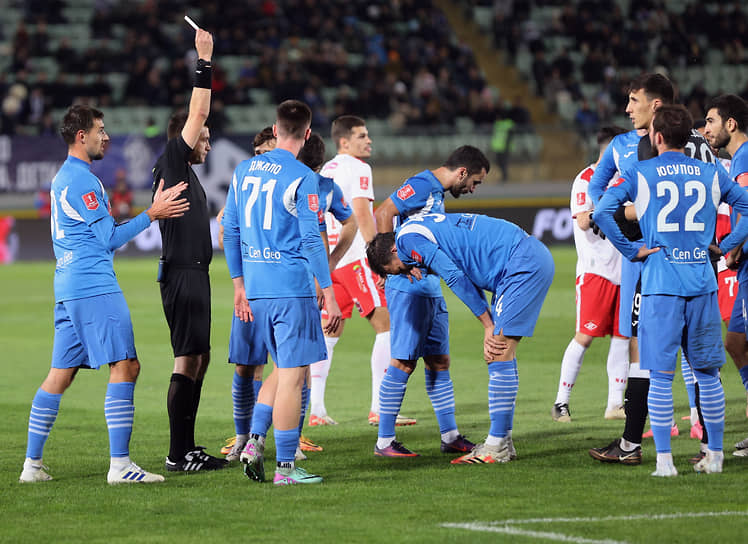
point(200, 101)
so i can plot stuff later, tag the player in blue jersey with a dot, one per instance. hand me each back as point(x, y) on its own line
point(92, 321)
point(646, 93)
point(274, 252)
point(331, 200)
point(727, 128)
point(419, 324)
point(473, 253)
point(676, 199)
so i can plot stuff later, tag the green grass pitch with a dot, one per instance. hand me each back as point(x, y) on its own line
point(553, 492)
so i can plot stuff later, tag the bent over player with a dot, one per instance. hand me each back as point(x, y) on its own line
point(92, 321)
point(472, 253)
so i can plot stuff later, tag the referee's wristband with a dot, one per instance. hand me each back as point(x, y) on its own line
point(203, 74)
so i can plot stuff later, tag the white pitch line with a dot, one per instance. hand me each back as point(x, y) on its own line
point(521, 532)
point(506, 526)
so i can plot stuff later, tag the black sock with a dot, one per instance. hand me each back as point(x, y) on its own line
point(196, 391)
point(179, 406)
point(635, 406)
point(697, 398)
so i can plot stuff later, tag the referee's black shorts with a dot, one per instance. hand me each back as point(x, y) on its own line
point(185, 294)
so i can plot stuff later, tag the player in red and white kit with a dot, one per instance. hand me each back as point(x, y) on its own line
point(597, 296)
point(353, 280)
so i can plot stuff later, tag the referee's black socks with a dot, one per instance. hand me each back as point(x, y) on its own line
point(635, 406)
point(179, 404)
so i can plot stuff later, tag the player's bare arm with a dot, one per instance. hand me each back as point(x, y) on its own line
point(200, 100)
point(385, 215)
point(334, 315)
point(364, 217)
point(220, 227)
point(583, 220)
point(241, 304)
point(166, 203)
point(345, 239)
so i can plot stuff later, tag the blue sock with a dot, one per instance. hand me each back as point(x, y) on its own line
point(689, 379)
point(262, 418)
point(285, 444)
point(119, 410)
point(660, 405)
point(442, 395)
point(256, 385)
point(503, 384)
point(391, 394)
point(44, 410)
point(712, 400)
point(744, 376)
point(304, 404)
point(243, 399)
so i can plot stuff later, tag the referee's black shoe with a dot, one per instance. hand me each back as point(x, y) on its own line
point(613, 453)
point(195, 461)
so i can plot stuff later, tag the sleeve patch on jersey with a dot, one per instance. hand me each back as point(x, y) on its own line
point(742, 179)
point(405, 192)
point(581, 199)
point(320, 216)
point(617, 182)
point(364, 182)
point(416, 256)
point(90, 200)
point(313, 202)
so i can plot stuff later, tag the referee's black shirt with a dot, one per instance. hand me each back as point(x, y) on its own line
point(186, 239)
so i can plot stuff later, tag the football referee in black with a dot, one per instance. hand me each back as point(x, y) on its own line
point(183, 268)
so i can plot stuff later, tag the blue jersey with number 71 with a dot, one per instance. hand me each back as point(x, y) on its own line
point(676, 199)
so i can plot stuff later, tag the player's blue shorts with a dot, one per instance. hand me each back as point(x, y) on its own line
point(92, 332)
point(246, 346)
point(291, 329)
point(630, 274)
point(738, 318)
point(669, 322)
point(418, 325)
point(517, 299)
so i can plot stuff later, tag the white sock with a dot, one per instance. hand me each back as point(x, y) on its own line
point(618, 370)
point(320, 371)
point(495, 440)
point(118, 463)
point(384, 442)
point(450, 436)
point(694, 416)
point(636, 371)
point(628, 446)
point(664, 459)
point(380, 360)
point(570, 366)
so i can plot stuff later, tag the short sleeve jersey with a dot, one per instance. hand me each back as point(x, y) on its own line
point(186, 240)
point(676, 200)
point(420, 195)
point(595, 255)
point(479, 245)
point(353, 176)
point(273, 204)
point(84, 265)
point(331, 200)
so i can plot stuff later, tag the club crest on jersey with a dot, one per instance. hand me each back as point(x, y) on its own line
point(581, 199)
point(405, 192)
point(364, 182)
point(313, 202)
point(416, 256)
point(90, 200)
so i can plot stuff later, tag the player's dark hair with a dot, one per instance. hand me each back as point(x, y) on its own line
point(675, 123)
point(313, 152)
point(655, 86)
point(730, 106)
point(265, 135)
point(78, 117)
point(343, 126)
point(607, 133)
point(470, 157)
point(293, 118)
point(379, 252)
